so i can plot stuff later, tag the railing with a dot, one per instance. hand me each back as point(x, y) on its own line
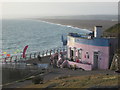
point(19, 58)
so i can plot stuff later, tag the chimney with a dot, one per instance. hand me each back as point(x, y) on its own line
point(97, 31)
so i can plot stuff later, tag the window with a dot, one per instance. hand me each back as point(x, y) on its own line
point(87, 55)
point(71, 52)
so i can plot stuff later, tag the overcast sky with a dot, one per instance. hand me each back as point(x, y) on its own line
point(38, 9)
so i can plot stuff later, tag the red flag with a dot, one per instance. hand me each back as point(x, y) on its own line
point(24, 51)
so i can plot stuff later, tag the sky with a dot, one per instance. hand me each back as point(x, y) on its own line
point(38, 9)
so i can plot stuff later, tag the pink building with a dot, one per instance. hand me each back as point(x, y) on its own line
point(92, 52)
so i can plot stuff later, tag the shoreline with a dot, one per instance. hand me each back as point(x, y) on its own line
point(69, 26)
point(64, 25)
point(80, 24)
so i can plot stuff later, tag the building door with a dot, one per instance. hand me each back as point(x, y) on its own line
point(71, 53)
point(95, 60)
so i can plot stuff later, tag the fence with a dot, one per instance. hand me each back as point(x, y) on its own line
point(19, 58)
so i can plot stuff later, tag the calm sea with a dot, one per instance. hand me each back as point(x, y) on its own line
point(39, 35)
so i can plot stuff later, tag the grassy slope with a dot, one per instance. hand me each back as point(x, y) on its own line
point(80, 82)
point(114, 29)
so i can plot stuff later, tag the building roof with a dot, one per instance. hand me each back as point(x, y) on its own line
point(83, 39)
point(76, 35)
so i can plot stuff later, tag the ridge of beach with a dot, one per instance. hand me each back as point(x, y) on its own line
point(82, 24)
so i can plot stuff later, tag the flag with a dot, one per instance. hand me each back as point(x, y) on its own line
point(24, 51)
point(8, 55)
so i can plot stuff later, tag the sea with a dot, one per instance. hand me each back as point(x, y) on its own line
point(38, 35)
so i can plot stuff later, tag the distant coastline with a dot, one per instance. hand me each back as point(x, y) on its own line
point(82, 24)
point(70, 26)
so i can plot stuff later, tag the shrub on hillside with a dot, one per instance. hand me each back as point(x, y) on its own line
point(38, 80)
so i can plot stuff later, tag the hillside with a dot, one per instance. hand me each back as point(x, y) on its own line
point(114, 30)
point(87, 81)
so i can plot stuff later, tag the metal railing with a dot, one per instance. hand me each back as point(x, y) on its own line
point(33, 55)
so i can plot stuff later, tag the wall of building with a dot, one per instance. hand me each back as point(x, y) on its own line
point(91, 46)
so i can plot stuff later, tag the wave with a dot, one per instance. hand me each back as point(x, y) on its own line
point(69, 26)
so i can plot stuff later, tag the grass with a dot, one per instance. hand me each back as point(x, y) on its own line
point(79, 82)
point(114, 28)
point(112, 31)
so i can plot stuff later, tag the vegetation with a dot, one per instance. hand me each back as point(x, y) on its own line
point(37, 80)
point(112, 31)
point(80, 82)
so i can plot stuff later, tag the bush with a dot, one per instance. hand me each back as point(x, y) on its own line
point(75, 67)
point(37, 80)
point(71, 66)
